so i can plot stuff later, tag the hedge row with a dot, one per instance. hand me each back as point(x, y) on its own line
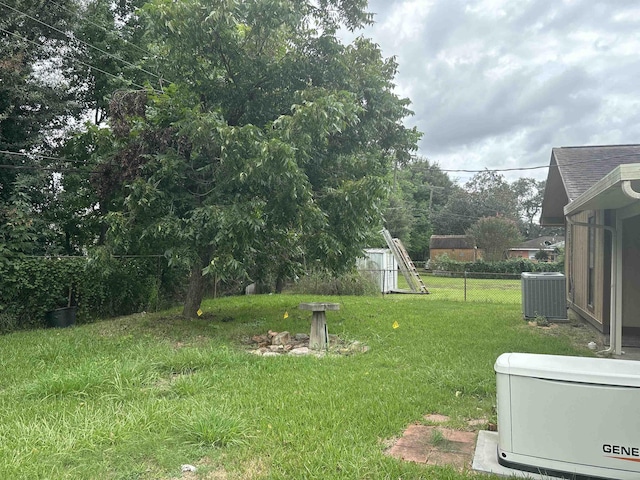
point(514, 266)
point(99, 287)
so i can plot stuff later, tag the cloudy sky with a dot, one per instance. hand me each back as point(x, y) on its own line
point(498, 83)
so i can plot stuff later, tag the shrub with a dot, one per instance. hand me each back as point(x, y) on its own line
point(100, 286)
point(512, 266)
point(322, 283)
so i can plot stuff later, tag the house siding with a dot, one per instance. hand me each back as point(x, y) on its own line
point(521, 254)
point(631, 273)
point(458, 254)
point(577, 269)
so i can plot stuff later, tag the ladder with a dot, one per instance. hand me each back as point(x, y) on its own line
point(407, 267)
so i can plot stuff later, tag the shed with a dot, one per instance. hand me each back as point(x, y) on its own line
point(382, 266)
point(461, 248)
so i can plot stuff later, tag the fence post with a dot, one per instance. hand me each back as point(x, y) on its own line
point(465, 285)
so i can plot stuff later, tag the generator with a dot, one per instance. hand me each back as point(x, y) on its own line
point(569, 417)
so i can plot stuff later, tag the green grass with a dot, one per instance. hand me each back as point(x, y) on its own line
point(136, 397)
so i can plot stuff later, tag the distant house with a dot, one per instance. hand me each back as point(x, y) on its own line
point(595, 193)
point(530, 248)
point(461, 248)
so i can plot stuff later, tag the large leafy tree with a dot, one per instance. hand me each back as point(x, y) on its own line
point(34, 106)
point(495, 235)
point(486, 194)
point(271, 148)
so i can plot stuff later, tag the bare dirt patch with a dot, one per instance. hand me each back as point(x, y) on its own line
point(579, 334)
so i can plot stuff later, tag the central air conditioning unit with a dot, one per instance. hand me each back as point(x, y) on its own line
point(543, 294)
point(569, 417)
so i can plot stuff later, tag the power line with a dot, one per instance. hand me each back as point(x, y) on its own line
point(71, 37)
point(103, 28)
point(46, 169)
point(77, 60)
point(537, 167)
point(37, 155)
point(460, 170)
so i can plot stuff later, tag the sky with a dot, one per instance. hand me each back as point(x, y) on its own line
point(498, 83)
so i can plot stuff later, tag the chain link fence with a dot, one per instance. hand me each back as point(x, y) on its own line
point(474, 287)
point(459, 286)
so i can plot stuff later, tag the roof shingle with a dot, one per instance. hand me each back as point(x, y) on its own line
point(451, 241)
point(582, 167)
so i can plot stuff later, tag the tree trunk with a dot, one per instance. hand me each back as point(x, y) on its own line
point(195, 292)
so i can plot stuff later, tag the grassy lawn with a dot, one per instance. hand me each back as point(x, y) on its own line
point(137, 397)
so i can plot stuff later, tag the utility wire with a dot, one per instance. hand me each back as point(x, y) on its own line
point(46, 169)
point(45, 157)
point(537, 167)
point(103, 28)
point(77, 60)
point(72, 37)
point(577, 162)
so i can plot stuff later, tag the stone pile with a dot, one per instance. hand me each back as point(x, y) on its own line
point(273, 344)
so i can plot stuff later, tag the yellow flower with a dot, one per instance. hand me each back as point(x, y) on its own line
point(286, 315)
point(199, 312)
point(395, 324)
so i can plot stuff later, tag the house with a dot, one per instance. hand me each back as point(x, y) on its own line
point(595, 193)
point(461, 248)
point(529, 249)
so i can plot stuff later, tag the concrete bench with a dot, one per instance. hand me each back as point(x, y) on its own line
point(319, 336)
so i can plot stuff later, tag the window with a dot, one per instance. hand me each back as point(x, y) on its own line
point(591, 262)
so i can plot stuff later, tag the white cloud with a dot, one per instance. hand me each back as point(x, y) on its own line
point(498, 83)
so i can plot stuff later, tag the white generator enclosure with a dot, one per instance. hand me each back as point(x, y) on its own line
point(569, 417)
point(382, 266)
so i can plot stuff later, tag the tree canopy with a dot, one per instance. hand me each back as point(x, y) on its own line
point(271, 148)
point(495, 235)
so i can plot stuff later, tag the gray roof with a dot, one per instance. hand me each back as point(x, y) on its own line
point(451, 241)
point(540, 242)
point(573, 170)
point(581, 167)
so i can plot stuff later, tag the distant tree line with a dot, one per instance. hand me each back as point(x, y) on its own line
point(425, 202)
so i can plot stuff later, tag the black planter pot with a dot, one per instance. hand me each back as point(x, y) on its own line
point(61, 317)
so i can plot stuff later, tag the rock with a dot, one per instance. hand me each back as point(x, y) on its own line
point(270, 354)
point(281, 338)
point(275, 348)
point(301, 337)
point(256, 352)
point(260, 339)
point(300, 351)
point(188, 468)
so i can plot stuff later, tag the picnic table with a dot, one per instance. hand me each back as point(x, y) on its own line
point(319, 336)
